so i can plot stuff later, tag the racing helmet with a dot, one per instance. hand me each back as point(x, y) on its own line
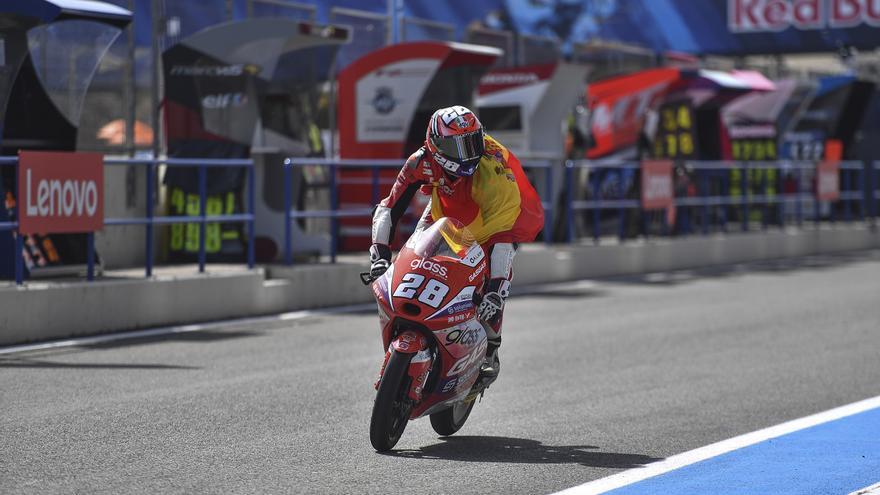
point(455, 139)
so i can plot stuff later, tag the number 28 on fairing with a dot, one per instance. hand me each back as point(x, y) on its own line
point(432, 294)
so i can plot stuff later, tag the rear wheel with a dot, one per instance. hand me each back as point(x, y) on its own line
point(392, 406)
point(449, 421)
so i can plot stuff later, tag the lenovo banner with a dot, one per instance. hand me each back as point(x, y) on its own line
point(60, 192)
point(657, 191)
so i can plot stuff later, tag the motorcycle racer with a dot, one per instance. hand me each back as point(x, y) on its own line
point(471, 177)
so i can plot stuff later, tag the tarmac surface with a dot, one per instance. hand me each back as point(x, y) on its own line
point(596, 377)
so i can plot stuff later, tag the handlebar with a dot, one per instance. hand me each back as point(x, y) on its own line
point(367, 279)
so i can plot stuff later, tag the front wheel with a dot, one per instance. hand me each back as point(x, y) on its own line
point(450, 420)
point(392, 406)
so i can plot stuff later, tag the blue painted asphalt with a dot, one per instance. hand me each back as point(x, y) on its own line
point(837, 457)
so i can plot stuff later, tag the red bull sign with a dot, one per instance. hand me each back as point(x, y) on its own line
point(60, 192)
point(748, 16)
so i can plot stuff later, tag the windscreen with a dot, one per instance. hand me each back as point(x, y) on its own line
point(447, 237)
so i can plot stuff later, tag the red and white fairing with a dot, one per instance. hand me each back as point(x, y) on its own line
point(426, 308)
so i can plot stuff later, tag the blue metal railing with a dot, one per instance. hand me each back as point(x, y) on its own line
point(713, 194)
point(853, 177)
point(151, 219)
point(335, 213)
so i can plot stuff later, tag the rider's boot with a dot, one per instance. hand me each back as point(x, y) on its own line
point(491, 365)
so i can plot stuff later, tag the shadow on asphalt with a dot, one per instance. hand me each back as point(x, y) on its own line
point(775, 266)
point(561, 293)
point(200, 336)
point(522, 451)
point(39, 363)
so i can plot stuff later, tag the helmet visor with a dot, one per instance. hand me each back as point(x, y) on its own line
point(461, 148)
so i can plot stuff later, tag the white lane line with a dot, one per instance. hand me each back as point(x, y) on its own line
point(868, 490)
point(170, 330)
point(677, 461)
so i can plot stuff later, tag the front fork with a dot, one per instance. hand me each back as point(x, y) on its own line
point(410, 342)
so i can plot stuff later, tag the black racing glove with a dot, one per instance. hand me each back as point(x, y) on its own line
point(492, 304)
point(380, 260)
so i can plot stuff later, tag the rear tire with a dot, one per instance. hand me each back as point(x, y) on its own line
point(392, 406)
point(449, 421)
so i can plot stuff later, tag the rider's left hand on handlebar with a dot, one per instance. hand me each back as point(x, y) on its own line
point(380, 260)
point(493, 300)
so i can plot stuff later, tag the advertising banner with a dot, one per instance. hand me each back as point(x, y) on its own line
point(657, 190)
point(61, 192)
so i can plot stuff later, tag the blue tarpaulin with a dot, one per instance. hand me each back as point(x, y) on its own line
point(724, 27)
point(56, 10)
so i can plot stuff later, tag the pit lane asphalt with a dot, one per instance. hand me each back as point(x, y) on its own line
point(596, 378)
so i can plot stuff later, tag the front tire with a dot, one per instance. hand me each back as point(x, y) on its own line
point(450, 420)
point(392, 406)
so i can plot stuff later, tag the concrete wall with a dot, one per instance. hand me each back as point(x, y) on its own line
point(45, 311)
point(534, 264)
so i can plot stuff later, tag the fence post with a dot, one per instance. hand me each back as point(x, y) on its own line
point(569, 200)
point(725, 200)
point(817, 211)
point(90, 256)
point(19, 258)
point(334, 221)
point(149, 225)
point(765, 211)
point(19, 240)
point(744, 191)
point(596, 210)
point(203, 200)
point(288, 248)
point(252, 235)
point(375, 185)
point(704, 179)
point(872, 192)
point(782, 198)
point(860, 179)
point(798, 206)
point(548, 212)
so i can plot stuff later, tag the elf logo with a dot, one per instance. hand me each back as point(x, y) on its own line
point(430, 266)
point(224, 100)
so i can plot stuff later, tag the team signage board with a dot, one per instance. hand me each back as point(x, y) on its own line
point(60, 192)
point(388, 97)
point(619, 106)
point(828, 181)
point(657, 191)
point(676, 134)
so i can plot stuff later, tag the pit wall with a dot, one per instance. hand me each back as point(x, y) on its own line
point(41, 311)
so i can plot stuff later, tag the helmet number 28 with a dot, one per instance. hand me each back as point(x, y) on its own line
point(452, 114)
point(432, 294)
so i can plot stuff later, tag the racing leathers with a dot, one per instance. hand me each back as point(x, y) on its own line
point(497, 204)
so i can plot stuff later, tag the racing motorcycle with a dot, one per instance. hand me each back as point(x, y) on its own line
point(434, 344)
